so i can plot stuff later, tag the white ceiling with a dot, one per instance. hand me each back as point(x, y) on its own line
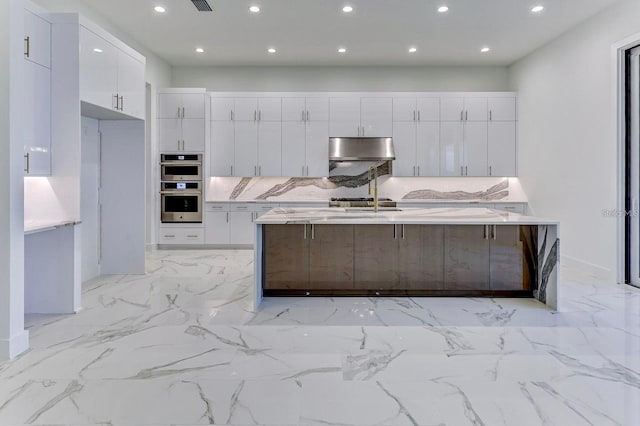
point(377, 32)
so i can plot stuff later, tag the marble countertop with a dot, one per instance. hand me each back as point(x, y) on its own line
point(440, 216)
point(33, 226)
point(400, 201)
point(269, 201)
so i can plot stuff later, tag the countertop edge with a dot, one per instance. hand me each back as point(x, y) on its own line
point(28, 230)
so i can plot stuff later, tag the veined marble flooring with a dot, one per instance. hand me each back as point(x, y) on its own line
point(180, 347)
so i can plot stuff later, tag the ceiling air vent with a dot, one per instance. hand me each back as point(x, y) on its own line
point(202, 5)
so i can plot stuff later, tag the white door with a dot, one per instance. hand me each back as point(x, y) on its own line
point(428, 109)
point(428, 149)
point(193, 134)
point(404, 109)
point(404, 144)
point(344, 129)
point(241, 227)
point(293, 148)
point(451, 109)
point(502, 109)
point(270, 148)
point(193, 104)
point(38, 46)
point(222, 109)
point(475, 149)
point(98, 70)
point(245, 109)
point(222, 148)
point(169, 135)
point(131, 86)
point(246, 149)
point(293, 109)
point(344, 116)
point(37, 119)
point(317, 148)
point(216, 227)
point(169, 105)
point(634, 174)
point(502, 148)
point(451, 148)
point(475, 109)
point(317, 109)
point(270, 109)
point(377, 117)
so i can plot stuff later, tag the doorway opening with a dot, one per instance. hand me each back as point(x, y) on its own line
point(632, 167)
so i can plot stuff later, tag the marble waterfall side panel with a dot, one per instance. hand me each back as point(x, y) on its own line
point(548, 265)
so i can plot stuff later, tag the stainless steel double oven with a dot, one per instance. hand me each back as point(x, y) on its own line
point(181, 188)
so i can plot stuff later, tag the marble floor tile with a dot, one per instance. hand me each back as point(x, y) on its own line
point(181, 346)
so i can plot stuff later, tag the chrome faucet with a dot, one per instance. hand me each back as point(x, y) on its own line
point(374, 169)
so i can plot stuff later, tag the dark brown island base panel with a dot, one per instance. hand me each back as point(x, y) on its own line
point(399, 260)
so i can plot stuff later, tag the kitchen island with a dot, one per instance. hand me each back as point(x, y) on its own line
point(454, 252)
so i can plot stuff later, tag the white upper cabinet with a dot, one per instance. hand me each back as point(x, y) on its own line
point(37, 119)
point(317, 109)
point(451, 149)
point(245, 109)
point(294, 151)
point(269, 149)
point(463, 109)
point(344, 117)
point(355, 116)
point(404, 144)
point(222, 109)
point(404, 109)
point(452, 109)
point(110, 77)
point(377, 117)
point(502, 109)
point(475, 109)
point(293, 109)
point(181, 123)
point(317, 149)
point(428, 109)
point(193, 105)
point(428, 149)
point(245, 149)
point(502, 148)
point(475, 149)
point(222, 148)
point(269, 109)
point(181, 105)
point(37, 39)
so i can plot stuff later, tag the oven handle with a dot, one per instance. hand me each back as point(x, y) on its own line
point(181, 163)
point(181, 192)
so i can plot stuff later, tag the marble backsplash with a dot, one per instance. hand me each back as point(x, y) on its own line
point(282, 189)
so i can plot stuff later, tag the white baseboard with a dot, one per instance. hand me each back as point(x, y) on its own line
point(578, 269)
point(10, 348)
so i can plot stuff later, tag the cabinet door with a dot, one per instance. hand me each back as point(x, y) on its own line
point(451, 109)
point(293, 148)
point(317, 148)
point(193, 131)
point(451, 148)
point(404, 144)
point(286, 256)
point(502, 109)
point(317, 109)
point(419, 261)
point(331, 257)
point(246, 149)
point(98, 70)
point(216, 227)
point(37, 119)
point(241, 228)
point(222, 148)
point(245, 109)
point(270, 109)
point(169, 135)
point(344, 129)
point(404, 109)
point(221, 109)
point(467, 257)
point(377, 117)
point(131, 86)
point(293, 109)
point(475, 109)
point(475, 149)
point(428, 109)
point(344, 117)
point(169, 105)
point(193, 104)
point(270, 148)
point(502, 148)
point(375, 254)
point(38, 47)
point(428, 149)
point(506, 258)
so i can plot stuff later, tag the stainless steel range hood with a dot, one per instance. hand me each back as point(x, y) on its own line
point(361, 149)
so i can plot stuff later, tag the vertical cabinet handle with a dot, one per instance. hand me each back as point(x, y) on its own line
point(27, 165)
point(259, 170)
point(461, 115)
point(302, 115)
point(117, 101)
point(466, 171)
point(485, 234)
point(403, 231)
point(313, 232)
point(178, 144)
point(255, 115)
point(232, 118)
point(27, 41)
point(304, 234)
point(227, 217)
point(182, 112)
point(461, 170)
point(395, 232)
point(466, 116)
point(490, 171)
point(307, 170)
point(418, 170)
point(490, 115)
point(494, 232)
point(414, 116)
point(418, 115)
point(121, 103)
point(231, 170)
point(414, 170)
point(178, 116)
point(308, 116)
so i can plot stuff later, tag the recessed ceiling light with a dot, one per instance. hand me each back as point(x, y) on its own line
point(160, 9)
point(443, 9)
point(254, 9)
point(537, 9)
point(485, 49)
point(413, 49)
point(97, 50)
point(271, 50)
point(199, 50)
point(347, 9)
point(342, 50)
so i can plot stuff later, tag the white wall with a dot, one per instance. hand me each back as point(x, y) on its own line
point(567, 134)
point(338, 79)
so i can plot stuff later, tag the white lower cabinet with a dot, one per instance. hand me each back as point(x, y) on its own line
point(233, 223)
point(520, 208)
point(176, 235)
point(241, 227)
point(216, 227)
